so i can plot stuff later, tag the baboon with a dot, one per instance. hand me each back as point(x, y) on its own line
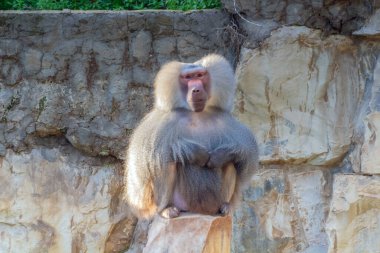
point(189, 153)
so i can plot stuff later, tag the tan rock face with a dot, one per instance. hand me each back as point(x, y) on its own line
point(370, 158)
point(55, 200)
point(371, 28)
point(299, 95)
point(354, 220)
point(288, 212)
point(370, 150)
point(190, 233)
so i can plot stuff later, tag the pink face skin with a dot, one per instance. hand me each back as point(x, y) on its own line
point(196, 83)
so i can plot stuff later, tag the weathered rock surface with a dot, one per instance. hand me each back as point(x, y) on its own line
point(140, 236)
point(371, 28)
point(73, 85)
point(370, 150)
point(299, 93)
point(354, 221)
point(190, 233)
point(283, 211)
point(56, 200)
point(370, 159)
point(311, 100)
point(330, 16)
point(88, 76)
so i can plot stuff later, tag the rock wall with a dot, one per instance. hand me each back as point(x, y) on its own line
point(87, 76)
point(311, 94)
point(73, 85)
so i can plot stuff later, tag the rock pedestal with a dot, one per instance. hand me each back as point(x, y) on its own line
point(190, 233)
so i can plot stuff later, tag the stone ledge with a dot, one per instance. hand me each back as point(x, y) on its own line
point(190, 233)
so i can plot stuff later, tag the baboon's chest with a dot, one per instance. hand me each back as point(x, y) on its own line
point(204, 130)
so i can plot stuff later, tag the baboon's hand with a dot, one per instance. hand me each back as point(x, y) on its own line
point(200, 157)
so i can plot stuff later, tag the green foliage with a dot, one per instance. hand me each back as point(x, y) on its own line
point(108, 4)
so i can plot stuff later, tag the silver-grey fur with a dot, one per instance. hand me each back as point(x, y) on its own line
point(169, 149)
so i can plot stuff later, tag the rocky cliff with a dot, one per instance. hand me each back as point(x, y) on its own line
point(73, 85)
